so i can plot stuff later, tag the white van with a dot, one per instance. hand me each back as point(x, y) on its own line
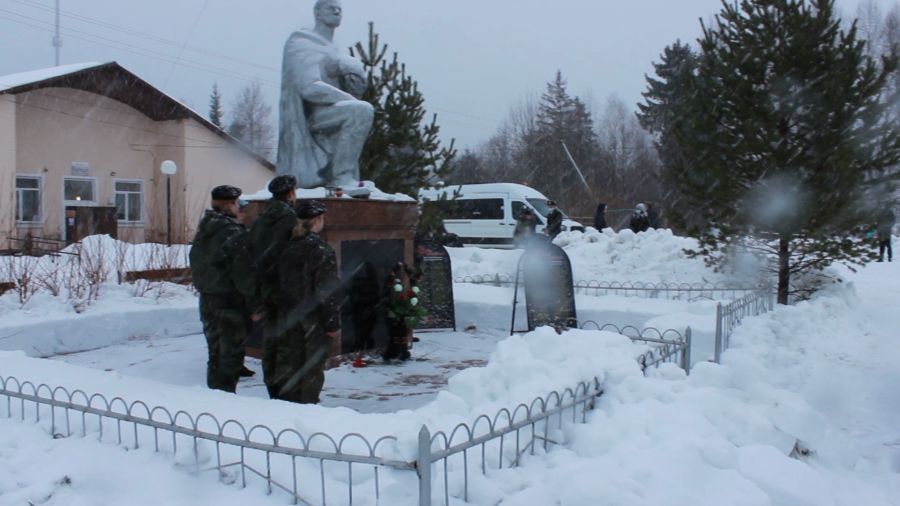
point(485, 214)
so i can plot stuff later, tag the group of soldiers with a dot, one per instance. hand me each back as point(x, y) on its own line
point(278, 275)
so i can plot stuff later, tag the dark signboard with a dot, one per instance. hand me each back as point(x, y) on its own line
point(365, 266)
point(435, 286)
point(549, 291)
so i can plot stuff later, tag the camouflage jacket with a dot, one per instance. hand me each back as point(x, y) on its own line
point(220, 261)
point(309, 286)
point(268, 237)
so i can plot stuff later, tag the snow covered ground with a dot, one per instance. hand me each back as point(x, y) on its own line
point(805, 408)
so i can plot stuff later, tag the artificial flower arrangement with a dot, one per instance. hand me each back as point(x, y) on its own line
point(404, 304)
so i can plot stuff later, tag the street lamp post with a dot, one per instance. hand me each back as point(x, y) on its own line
point(169, 168)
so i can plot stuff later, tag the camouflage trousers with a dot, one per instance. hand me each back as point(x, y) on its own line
point(294, 364)
point(226, 326)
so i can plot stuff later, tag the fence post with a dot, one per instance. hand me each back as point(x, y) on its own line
point(687, 351)
point(718, 355)
point(423, 467)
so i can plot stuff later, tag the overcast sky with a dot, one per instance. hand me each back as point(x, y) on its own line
point(473, 58)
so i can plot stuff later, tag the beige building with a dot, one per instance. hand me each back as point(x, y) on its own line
point(95, 135)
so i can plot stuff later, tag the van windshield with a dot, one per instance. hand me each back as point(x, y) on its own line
point(540, 205)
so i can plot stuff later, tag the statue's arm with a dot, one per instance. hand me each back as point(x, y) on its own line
point(322, 93)
point(305, 63)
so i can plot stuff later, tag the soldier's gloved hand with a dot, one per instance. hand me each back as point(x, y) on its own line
point(255, 317)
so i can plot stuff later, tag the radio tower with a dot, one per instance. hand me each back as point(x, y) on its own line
point(57, 39)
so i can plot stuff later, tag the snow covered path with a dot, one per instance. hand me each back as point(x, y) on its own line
point(380, 388)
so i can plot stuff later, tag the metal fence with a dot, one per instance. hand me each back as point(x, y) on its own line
point(666, 346)
point(669, 291)
point(729, 316)
point(317, 469)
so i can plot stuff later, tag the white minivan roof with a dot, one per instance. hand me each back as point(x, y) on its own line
point(513, 189)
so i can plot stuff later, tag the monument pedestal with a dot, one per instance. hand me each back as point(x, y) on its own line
point(369, 237)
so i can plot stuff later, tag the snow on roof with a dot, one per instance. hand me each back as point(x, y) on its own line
point(34, 76)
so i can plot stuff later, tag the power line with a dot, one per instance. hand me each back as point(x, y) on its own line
point(145, 35)
point(176, 60)
point(140, 51)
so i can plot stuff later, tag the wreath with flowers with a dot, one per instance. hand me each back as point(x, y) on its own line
point(404, 304)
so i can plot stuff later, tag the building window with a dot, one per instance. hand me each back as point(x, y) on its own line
point(28, 199)
point(129, 197)
point(79, 190)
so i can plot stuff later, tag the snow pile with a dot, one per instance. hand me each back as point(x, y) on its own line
point(804, 411)
point(320, 193)
point(655, 256)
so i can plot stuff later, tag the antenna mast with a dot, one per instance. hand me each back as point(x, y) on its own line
point(57, 39)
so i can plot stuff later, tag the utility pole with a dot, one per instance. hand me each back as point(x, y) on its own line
point(575, 165)
point(57, 39)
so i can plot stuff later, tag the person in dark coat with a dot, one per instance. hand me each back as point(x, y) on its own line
point(224, 276)
point(309, 309)
point(640, 222)
point(269, 235)
point(884, 231)
point(600, 217)
point(554, 220)
point(652, 215)
point(525, 226)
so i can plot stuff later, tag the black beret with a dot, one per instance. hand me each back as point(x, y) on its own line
point(310, 209)
point(226, 192)
point(282, 184)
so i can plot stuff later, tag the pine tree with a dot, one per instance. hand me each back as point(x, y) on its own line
point(658, 115)
point(562, 122)
point(216, 114)
point(251, 120)
point(404, 152)
point(783, 137)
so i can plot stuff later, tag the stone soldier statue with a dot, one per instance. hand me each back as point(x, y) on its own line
point(223, 273)
point(309, 310)
point(323, 124)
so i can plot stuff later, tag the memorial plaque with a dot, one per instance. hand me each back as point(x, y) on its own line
point(435, 287)
point(549, 291)
point(365, 266)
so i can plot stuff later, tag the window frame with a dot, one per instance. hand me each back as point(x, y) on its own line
point(84, 203)
point(116, 192)
point(41, 218)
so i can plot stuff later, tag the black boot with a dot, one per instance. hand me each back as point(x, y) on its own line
point(245, 372)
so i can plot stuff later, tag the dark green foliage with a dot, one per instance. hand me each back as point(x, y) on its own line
point(216, 113)
point(403, 152)
point(782, 137)
point(561, 118)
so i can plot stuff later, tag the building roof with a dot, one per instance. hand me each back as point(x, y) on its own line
point(116, 82)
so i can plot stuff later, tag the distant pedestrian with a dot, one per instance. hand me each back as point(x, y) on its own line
point(884, 230)
point(554, 220)
point(640, 222)
point(309, 312)
point(224, 276)
point(600, 217)
point(653, 215)
point(525, 227)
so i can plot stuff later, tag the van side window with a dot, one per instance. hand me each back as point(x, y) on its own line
point(482, 209)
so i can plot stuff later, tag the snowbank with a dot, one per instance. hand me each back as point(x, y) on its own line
point(655, 256)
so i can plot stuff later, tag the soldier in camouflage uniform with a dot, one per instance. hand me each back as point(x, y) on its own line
point(309, 306)
point(268, 237)
point(224, 275)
